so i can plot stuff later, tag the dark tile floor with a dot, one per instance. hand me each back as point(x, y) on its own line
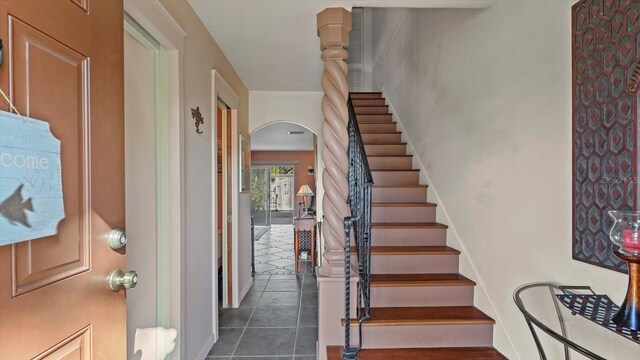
point(278, 319)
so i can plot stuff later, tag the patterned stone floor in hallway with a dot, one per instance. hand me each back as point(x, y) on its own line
point(274, 251)
point(277, 320)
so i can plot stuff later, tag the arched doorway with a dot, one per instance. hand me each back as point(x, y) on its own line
point(283, 167)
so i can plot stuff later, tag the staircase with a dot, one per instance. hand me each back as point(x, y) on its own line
point(421, 308)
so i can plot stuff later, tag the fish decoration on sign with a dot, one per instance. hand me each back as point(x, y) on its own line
point(14, 208)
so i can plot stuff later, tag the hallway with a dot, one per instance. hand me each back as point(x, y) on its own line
point(274, 251)
point(278, 319)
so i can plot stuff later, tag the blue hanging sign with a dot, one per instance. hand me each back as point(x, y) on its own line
point(31, 201)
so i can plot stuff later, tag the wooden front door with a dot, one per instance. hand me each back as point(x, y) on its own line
point(63, 63)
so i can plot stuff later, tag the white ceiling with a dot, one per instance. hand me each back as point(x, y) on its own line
point(275, 137)
point(273, 44)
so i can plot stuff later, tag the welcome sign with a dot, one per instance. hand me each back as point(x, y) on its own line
point(31, 200)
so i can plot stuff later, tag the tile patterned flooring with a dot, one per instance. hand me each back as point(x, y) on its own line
point(274, 251)
point(277, 320)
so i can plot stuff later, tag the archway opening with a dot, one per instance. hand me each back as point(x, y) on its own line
point(283, 190)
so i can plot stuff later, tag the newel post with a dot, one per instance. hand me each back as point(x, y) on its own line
point(334, 25)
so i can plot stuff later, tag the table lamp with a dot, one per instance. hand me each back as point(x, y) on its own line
point(305, 191)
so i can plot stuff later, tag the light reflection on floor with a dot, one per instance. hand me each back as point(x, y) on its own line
point(274, 251)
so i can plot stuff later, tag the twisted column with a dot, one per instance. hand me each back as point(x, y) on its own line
point(334, 25)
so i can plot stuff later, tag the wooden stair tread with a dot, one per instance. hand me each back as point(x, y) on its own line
point(475, 353)
point(427, 315)
point(384, 144)
point(410, 250)
point(388, 156)
point(426, 225)
point(399, 186)
point(405, 204)
point(391, 280)
point(382, 133)
point(400, 170)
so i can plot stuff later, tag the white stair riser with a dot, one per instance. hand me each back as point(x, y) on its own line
point(383, 127)
point(377, 118)
point(399, 177)
point(414, 296)
point(366, 96)
point(400, 194)
point(408, 237)
point(414, 264)
point(390, 163)
point(368, 102)
point(366, 110)
point(425, 336)
point(403, 214)
point(381, 138)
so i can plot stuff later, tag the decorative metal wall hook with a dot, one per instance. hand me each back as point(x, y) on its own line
point(197, 116)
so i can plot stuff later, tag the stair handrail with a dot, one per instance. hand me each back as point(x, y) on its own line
point(358, 226)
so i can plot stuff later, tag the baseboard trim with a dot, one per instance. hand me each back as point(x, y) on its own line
point(208, 345)
point(244, 291)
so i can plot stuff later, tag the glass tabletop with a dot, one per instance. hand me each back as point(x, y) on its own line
point(560, 333)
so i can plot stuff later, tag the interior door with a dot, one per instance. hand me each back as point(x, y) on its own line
point(63, 63)
point(227, 229)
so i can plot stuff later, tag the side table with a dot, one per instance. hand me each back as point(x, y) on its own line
point(304, 239)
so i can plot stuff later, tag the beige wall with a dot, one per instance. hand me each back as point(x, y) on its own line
point(484, 97)
point(201, 55)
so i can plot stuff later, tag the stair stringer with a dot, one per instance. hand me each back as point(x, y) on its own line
point(482, 300)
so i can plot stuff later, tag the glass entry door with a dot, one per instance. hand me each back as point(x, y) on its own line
point(260, 196)
point(272, 196)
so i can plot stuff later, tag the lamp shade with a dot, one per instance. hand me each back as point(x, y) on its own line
point(304, 190)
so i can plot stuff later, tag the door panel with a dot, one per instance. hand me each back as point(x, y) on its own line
point(83, 4)
point(64, 65)
point(43, 68)
point(76, 347)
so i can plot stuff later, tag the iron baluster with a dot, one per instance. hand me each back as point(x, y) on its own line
point(358, 226)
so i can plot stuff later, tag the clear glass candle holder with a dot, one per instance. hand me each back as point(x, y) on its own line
point(625, 231)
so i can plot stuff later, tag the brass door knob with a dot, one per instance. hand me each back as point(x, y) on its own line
point(119, 280)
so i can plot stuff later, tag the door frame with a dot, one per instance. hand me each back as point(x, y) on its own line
point(220, 89)
point(156, 21)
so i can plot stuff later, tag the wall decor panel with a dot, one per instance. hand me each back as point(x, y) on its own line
point(606, 51)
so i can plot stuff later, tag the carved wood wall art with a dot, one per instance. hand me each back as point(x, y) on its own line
point(606, 49)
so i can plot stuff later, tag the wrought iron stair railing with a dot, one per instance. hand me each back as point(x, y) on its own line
point(357, 228)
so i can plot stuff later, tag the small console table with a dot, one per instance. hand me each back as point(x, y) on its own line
point(304, 239)
point(575, 316)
